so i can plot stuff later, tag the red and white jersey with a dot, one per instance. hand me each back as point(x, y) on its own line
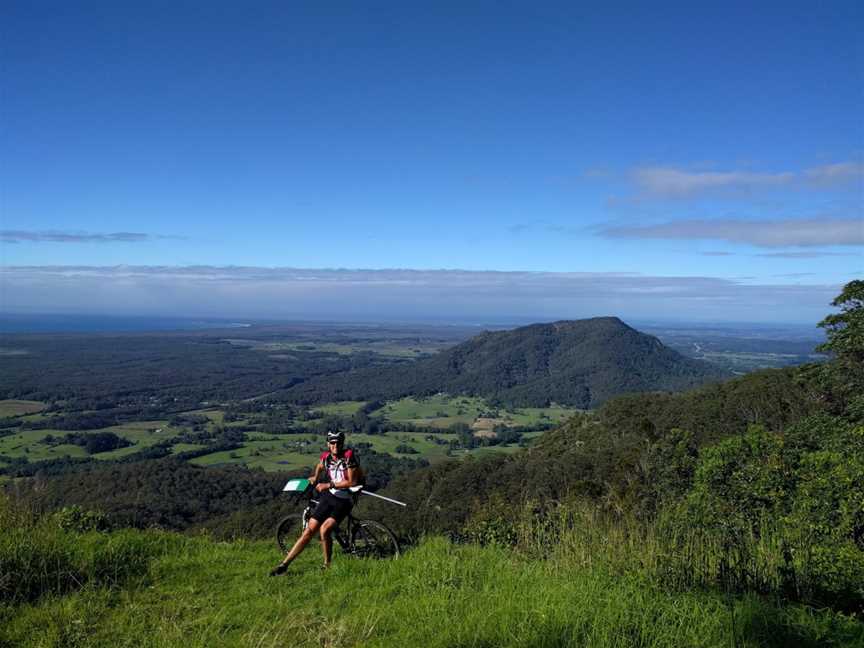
point(336, 469)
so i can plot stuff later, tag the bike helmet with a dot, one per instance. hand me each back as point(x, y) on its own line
point(337, 436)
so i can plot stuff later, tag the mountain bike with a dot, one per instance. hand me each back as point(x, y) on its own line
point(356, 537)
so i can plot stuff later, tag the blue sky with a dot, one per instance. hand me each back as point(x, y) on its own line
point(674, 160)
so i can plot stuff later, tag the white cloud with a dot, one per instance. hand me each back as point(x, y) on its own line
point(671, 182)
point(399, 294)
point(51, 236)
point(773, 233)
point(805, 255)
point(834, 174)
point(674, 183)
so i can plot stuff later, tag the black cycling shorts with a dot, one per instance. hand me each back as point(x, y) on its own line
point(330, 506)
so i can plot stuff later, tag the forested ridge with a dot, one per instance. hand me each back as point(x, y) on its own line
point(169, 493)
point(580, 363)
point(122, 377)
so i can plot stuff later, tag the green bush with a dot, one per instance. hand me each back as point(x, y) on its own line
point(39, 556)
point(740, 479)
point(75, 518)
point(796, 496)
point(494, 523)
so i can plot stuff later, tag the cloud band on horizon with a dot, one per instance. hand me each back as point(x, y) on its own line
point(390, 294)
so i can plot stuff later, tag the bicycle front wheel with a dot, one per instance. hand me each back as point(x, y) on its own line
point(288, 530)
point(373, 540)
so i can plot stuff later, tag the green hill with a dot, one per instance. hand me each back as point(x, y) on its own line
point(578, 363)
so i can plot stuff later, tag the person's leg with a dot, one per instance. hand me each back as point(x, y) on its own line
point(327, 539)
point(302, 541)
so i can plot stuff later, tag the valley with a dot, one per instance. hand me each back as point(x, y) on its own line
point(274, 438)
point(260, 395)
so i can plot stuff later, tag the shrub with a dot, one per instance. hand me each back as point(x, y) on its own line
point(75, 518)
point(797, 497)
point(38, 556)
point(404, 448)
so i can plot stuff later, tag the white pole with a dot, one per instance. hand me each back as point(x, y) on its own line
point(384, 498)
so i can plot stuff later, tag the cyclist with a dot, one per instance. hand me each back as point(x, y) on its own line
point(340, 471)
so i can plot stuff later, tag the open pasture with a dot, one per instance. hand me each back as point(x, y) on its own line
point(297, 452)
point(342, 408)
point(442, 411)
point(293, 453)
point(438, 411)
point(214, 414)
point(395, 348)
point(28, 444)
point(280, 454)
point(177, 448)
point(528, 416)
point(20, 407)
point(387, 347)
point(300, 452)
point(142, 434)
point(387, 443)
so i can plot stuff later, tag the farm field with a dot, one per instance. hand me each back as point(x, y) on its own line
point(342, 408)
point(439, 411)
point(20, 407)
point(29, 443)
point(442, 411)
point(391, 348)
point(142, 434)
point(385, 349)
point(268, 451)
point(215, 415)
point(266, 455)
point(185, 447)
point(300, 452)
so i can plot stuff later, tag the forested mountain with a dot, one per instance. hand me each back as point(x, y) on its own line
point(581, 363)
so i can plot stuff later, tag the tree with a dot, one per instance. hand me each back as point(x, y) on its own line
point(845, 330)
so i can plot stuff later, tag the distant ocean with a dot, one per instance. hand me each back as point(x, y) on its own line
point(106, 324)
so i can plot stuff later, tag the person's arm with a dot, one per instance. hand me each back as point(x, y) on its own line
point(320, 488)
point(318, 468)
point(351, 478)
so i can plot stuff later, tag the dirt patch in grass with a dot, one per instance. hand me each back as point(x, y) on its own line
point(485, 427)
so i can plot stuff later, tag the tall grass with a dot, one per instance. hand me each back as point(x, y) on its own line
point(437, 595)
point(38, 556)
point(767, 559)
point(570, 585)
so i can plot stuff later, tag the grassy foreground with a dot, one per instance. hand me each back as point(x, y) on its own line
point(133, 588)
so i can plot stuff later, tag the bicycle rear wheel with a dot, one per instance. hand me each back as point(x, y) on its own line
point(373, 540)
point(288, 530)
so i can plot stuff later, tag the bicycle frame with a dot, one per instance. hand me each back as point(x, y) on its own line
point(337, 531)
point(356, 537)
